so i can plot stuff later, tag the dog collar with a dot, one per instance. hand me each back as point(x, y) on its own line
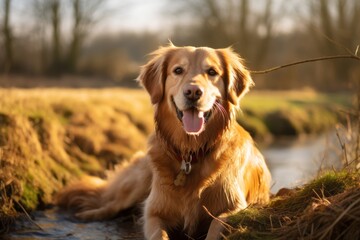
point(185, 168)
point(191, 157)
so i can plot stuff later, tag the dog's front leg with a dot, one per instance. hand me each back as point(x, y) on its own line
point(154, 229)
point(216, 228)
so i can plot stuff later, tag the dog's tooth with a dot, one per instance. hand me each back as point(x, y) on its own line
point(201, 114)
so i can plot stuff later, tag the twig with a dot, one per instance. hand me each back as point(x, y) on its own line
point(228, 226)
point(343, 147)
point(28, 216)
point(336, 43)
point(357, 123)
point(343, 213)
point(349, 56)
point(189, 237)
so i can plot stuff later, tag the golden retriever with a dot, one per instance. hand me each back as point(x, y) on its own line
point(200, 163)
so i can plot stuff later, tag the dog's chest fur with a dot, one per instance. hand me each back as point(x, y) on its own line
point(207, 188)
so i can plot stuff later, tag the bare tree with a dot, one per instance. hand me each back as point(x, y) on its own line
point(39, 14)
point(47, 16)
point(8, 40)
point(60, 50)
point(234, 22)
point(55, 15)
point(334, 25)
point(85, 15)
point(243, 28)
point(265, 21)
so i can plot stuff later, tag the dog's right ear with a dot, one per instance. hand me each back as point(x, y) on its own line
point(154, 73)
point(237, 78)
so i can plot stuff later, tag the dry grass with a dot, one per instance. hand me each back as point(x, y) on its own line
point(49, 137)
point(326, 208)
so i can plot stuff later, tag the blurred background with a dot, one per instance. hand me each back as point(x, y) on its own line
point(107, 40)
point(304, 118)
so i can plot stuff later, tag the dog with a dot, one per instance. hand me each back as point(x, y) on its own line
point(200, 166)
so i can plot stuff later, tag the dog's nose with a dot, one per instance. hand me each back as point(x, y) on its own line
point(193, 92)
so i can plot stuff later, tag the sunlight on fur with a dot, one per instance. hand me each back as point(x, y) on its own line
point(198, 157)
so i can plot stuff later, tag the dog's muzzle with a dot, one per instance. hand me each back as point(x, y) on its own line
point(192, 119)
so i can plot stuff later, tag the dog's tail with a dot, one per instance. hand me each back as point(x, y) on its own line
point(82, 195)
point(96, 199)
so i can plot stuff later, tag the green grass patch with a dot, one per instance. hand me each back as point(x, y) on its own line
point(266, 114)
point(29, 198)
point(292, 214)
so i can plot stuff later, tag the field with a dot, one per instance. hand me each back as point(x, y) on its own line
point(48, 137)
point(51, 136)
point(267, 114)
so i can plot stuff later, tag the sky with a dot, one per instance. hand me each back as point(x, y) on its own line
point(119, 15)
point(133, 15)
point(153, 15)
point(140, 15)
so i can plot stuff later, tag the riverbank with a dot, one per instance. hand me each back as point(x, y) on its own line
point(325, 208)
point(49, 137)
point(269, 114)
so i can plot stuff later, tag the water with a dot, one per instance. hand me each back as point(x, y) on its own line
point(57, 225)
point(291, 163)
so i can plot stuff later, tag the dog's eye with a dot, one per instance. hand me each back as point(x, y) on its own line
point(178, 70)
point(212, 72)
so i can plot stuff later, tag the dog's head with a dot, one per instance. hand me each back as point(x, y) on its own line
point(197, 84)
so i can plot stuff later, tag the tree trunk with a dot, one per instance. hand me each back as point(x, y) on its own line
point(84, 18)
point(265, 40)
point(244, 12)
point(76, 37)
point(337, 23)
point(56, 45)
point(7, 38)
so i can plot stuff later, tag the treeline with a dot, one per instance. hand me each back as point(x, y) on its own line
point(265, 33)
point(259, 33)
point(44, 47)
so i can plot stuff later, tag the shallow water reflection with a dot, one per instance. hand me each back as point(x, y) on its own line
point(295, 161)
point(57, 225)
point(291, 162)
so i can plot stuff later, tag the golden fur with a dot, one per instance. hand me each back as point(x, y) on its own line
point(228, 173)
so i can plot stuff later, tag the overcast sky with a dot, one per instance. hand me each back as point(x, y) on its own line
point(137, 15)
point(120, 14)
point(134, 15)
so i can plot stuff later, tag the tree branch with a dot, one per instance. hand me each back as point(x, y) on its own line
point(349, 56)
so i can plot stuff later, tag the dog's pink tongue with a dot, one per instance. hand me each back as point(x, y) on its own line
point(193, 121)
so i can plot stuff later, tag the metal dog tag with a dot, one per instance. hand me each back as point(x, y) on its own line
point(185, 169)
point(186, 166)
point(180, 179)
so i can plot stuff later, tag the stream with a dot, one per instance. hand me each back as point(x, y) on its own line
point(291, 163)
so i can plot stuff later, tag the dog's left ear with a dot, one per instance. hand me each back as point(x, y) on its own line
point(153, 74)
point(237, 78)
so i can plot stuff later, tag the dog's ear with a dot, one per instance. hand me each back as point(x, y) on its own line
point(153, 74)
point(237, 78)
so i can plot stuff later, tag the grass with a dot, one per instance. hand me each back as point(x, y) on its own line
point(325, 208)
point(49, 137)
point(291, 113)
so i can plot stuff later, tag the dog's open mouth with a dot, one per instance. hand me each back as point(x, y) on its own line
point(192, 119)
